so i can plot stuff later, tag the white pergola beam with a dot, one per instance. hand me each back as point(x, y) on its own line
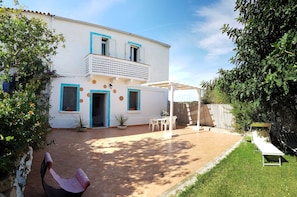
point(172, 86)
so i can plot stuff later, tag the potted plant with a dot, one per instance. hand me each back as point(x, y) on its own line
point(121, 120)
point(164, 113)
point(81, 127)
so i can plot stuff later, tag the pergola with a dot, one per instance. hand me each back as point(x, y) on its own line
point(172, 86)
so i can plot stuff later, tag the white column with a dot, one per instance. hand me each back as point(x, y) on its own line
point(199, 108)
point(169, 135)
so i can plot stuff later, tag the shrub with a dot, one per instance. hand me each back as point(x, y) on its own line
point(24, 122)
point(27, 45)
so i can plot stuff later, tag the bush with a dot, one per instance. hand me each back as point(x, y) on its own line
point(24, 116)
point(27, 46)
point(24, 122)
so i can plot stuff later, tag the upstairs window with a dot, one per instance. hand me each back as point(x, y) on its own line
point(135, 52)
point(69, 97)
point(133, 100)
point(102, 44)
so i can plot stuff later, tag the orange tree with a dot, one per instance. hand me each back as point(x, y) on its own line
point(263, 83)
point(26, 45)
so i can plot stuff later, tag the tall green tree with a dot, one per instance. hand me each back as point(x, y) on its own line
point(265, 76)
point(213, 94)
point(26, 48)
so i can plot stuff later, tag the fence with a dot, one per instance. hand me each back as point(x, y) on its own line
point(213, 115)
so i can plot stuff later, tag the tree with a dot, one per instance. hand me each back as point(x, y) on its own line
point(265, 75)
point(26, 48)
point(213, 94)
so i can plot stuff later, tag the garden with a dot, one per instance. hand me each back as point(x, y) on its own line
point(241, 174)
point(261, 88)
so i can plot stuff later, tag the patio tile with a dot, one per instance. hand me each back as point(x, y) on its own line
point(131, 162)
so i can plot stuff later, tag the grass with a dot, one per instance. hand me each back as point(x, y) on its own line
point(241, 174)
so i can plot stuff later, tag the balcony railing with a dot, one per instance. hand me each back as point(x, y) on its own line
point(115, 67)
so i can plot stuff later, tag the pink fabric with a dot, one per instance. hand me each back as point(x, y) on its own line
point(70, 185)
point(78, 183)
point(48, 160)
point(82, 178)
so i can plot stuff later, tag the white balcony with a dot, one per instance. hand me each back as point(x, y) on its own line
point(115, 67)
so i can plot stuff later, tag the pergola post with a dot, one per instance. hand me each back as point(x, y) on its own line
point(177, 86)
point(169, 135)
point(199, 108)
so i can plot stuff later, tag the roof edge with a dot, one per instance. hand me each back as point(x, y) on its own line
point(91, 24)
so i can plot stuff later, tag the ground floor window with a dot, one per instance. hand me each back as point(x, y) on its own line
point(69, 97)
point(133, 99)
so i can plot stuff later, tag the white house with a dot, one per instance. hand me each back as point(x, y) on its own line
point(101, 71)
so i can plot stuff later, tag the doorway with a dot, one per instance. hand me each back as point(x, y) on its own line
point(99, 109)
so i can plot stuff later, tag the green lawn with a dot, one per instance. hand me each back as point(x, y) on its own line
point(242, 174)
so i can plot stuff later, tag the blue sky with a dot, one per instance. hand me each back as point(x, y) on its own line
point(191, 27)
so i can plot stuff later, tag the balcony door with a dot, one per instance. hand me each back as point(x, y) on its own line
point(99, 108)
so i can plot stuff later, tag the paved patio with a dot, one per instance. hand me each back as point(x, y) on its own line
point(131, 162)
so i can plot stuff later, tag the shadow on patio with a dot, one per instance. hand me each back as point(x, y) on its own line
point(131, 162)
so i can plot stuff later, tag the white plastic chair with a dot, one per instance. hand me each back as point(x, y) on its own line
point(166, 122)
point(153, 123)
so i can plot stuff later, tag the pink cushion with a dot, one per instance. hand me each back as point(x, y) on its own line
point(82, 178)
point(78, 183)
point(71, 185)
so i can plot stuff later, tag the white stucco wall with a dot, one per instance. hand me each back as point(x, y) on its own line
point(69, 63)
point(77, 43)
point(152, 100)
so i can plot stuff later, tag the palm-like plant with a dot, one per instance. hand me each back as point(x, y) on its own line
point(121, 119)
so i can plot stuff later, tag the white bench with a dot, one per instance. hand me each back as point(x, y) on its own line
point(267, 149)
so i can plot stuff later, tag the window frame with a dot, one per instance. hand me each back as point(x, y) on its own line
point(77, 86)
point(104, 46)
point(138, 99)
point(134, 53)
point(96, 42)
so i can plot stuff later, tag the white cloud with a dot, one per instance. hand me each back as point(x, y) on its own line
point(216, 45)
point(179, 71)
point(213, 18)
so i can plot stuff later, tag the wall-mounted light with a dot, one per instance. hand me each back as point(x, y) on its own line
point(110, 86)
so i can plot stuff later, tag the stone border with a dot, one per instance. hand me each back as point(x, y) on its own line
point(22, 172)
